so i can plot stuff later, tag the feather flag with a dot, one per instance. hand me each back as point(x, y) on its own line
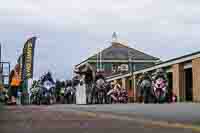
point(28, 58)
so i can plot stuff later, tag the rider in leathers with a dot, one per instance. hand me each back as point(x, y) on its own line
point(115, 92)
point(160, 73)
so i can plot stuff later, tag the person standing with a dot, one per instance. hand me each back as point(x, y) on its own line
point(14, 81)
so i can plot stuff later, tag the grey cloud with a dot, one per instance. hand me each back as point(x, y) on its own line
point(71, 30)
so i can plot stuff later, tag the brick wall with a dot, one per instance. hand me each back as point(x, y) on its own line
point(196, 79)
point(179, 81)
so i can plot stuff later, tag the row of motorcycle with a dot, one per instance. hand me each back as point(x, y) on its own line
point(66, 93)
point(109, 94)
point(100, 91)
point(154, 88)
point(46, 91)
point(46, 94)
point(105, 94)
point(43, 93)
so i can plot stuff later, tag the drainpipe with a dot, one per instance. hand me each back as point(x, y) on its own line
point(100, 60)
point(132, 78)
point(97, 61)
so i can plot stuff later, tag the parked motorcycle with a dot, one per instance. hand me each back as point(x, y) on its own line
point(160, 86)
point(144, 86)
point(48, 93)
point(154, 88)
point(114, 94)
point(123, 97)
point(160, 89)
point(101, 89)
point(101, 96)
point(35, 96)
point(69, 95)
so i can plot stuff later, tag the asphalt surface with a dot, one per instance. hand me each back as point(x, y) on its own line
point(78, 118)
point(179, 112)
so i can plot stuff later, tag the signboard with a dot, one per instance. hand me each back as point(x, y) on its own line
point(28, 57)
point(124, 67)
point(114, 68)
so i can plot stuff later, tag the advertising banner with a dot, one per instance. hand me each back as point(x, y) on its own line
point(28, 58)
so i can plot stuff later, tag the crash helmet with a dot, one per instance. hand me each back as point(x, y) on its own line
point(145, 75)
point(48, 74)
point(99, 75)
point(160, 70)
point(117, 86)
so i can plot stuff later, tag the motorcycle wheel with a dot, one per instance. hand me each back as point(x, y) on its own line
point(74, 99)
point(101, 100)
point(51, 101)
point(66, 99)
point(89, 99)
point(32, 99)
point(126, 100)
point(62, 100)
point(70, 99)
point(38, 101)
point(48, 100)
point(162, 100)
point(146, 98)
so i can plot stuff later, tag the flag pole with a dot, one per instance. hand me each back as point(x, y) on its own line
point(100, 60)
point(0, 52)
point(1, 65)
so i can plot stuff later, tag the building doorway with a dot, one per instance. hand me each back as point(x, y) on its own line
point(170, 85)
point(170, 79)
point(188, 84)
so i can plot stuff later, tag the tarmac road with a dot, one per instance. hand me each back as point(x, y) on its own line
point(178, 112)
point(79, 118)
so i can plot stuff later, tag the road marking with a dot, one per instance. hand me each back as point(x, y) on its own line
point(87, 113)
point(140, 120)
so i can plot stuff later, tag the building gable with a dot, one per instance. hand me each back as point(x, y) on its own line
point(118, 51)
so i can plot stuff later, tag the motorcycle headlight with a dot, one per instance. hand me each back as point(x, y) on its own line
point(48, 88)
point(164, 89)
point(154, 88)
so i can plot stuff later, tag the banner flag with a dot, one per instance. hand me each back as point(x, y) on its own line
point(28, 58)
point(20, 65)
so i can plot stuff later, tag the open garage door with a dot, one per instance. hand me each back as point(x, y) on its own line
point(188, 84)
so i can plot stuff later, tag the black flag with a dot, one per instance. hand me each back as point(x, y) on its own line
point(20, 59)
point(28, 58)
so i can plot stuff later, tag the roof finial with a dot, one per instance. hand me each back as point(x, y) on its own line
point(114, 37)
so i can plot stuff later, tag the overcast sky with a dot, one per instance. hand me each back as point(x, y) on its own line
point(71, 30)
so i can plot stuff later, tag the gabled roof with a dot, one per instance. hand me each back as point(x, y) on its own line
point(118, 51)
